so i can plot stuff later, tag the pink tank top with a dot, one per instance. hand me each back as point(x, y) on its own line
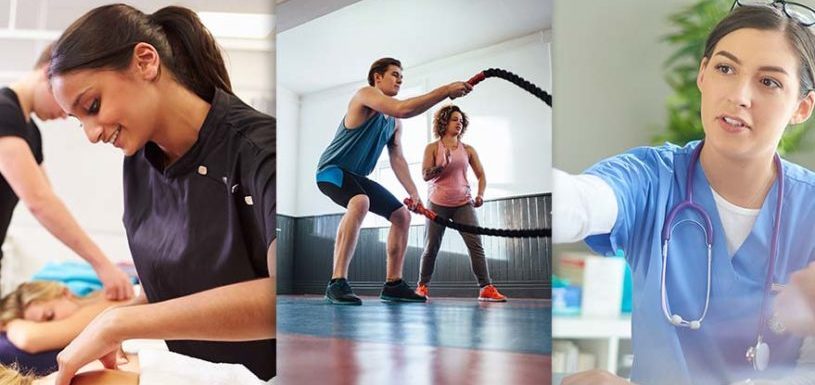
point(451, 188)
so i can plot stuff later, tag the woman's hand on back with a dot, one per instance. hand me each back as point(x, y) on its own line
point(96, 342)
point(116, 282)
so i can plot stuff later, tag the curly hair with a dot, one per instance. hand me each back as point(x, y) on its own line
point(442, 117)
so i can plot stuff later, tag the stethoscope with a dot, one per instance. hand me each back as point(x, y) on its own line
point(758, 354)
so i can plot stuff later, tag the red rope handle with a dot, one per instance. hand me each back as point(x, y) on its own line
point(418, 208)
point(477, 78)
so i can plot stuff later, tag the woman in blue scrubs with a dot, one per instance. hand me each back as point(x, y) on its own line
point(696, 317)
point(199, 186)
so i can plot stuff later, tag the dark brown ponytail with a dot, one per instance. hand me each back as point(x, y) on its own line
point(105, 36)
point(198, 60)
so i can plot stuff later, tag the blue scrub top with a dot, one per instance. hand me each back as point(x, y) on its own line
point(648, 182)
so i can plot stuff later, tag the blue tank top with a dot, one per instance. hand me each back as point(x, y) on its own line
point(356, 150)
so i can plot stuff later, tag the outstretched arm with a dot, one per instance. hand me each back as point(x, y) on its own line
point(582, 205)
point(239, 312)
point(20, 169)
point(374, 99)
point(45, 175)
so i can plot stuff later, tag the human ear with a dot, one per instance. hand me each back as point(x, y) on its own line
point(804, 109)
point(146, 61)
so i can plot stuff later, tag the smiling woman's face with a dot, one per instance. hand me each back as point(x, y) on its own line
point(750, 93)
point(116, 107)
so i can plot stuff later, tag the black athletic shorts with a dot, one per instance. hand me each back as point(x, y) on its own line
point(382, 202)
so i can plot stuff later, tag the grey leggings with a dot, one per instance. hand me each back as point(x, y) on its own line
point(432, 241)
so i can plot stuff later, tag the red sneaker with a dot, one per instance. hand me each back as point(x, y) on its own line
point(490, 294)
point(422, 290)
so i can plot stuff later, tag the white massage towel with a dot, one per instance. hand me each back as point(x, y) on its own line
point(160, 367)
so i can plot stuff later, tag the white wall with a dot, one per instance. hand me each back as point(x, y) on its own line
point(288, 121)
point(253, 77)
point(525, 138)
point(608, 77)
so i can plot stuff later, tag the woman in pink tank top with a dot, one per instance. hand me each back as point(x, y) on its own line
point(445, 167)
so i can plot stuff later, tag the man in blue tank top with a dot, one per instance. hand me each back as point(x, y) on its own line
point(370, 124)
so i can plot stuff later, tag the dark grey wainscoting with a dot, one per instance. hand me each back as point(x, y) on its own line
point(518, 267)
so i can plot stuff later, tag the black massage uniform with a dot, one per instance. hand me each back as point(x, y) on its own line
point(208, 219)
point(12, 123)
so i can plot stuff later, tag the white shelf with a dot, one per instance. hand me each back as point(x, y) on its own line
point(591, 327)
point(598, 335)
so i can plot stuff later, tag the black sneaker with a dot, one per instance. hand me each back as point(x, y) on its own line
point(400, 292)
point(340, 293)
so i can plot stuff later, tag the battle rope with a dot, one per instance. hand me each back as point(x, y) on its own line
point(514, 79)
point(447, 222)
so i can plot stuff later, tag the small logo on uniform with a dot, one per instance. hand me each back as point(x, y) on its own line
point(248, 200)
